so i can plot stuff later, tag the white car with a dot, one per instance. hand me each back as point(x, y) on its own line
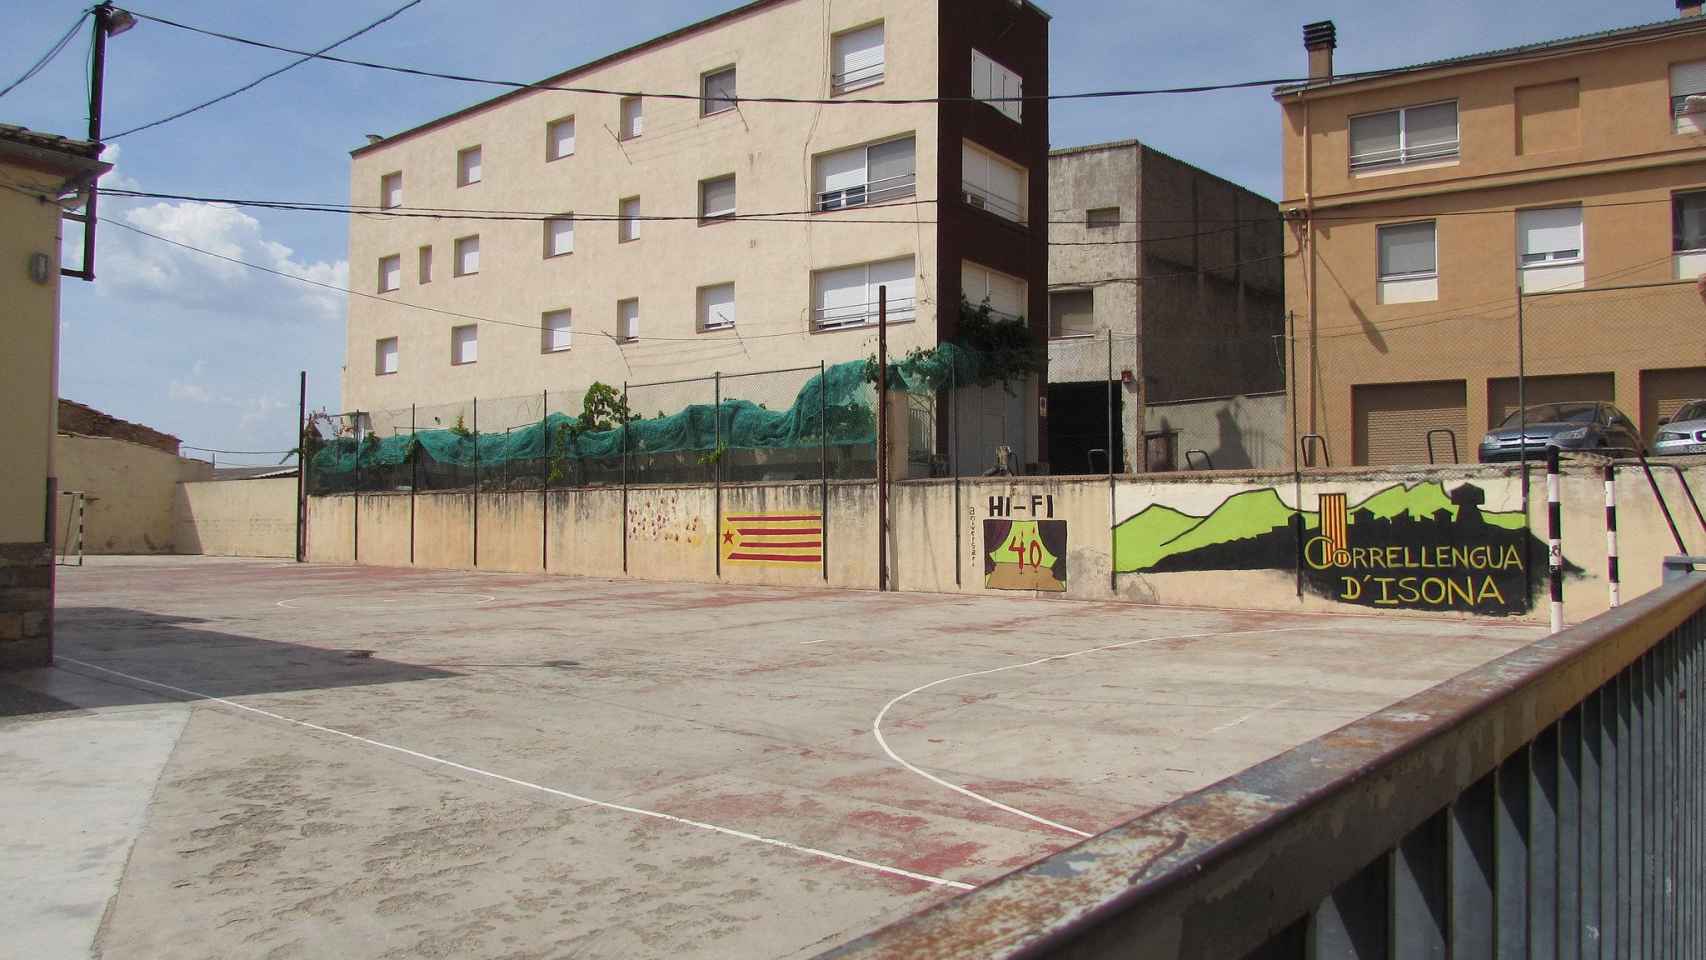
point(1683, 433)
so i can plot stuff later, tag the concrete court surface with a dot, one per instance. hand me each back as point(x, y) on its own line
point(406, 763)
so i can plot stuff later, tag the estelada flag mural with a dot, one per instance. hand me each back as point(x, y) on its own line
point(1024, 555)
point(778, 539)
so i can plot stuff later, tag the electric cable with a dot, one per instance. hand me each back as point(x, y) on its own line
point(48, 57)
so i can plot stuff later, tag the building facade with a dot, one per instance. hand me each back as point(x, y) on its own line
point(43, 175)
point(1184, 269)
point(1424, 198)
point(677, 232)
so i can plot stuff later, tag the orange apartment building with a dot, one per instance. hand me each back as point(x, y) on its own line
point(1420, 199)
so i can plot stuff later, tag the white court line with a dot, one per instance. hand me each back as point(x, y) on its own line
point(877, 724)
point(807, 643)
point(1259, 710)
point(653, 814)
point(483, 598)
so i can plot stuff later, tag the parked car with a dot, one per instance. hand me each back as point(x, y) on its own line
point(1590, 425)
point(1683, 433)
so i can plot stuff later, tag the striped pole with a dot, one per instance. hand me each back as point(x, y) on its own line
point(1554, 540)
point(1611, 533)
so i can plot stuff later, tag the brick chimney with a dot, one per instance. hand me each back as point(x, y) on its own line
point(1688, 8)
point(1319, 39)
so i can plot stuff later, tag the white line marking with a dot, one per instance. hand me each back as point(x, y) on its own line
point(480, 599)
point(1259, 710)
point(653, 814)
point(877, 724)
point(807, 643)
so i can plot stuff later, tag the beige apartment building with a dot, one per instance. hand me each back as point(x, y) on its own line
point(665, 230)
point(1421, 199)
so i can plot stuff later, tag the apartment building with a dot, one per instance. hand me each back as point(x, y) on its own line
point(1184, 269)
point(1423, 198)
point(641, 257)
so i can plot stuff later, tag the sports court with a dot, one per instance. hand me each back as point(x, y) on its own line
point(256, 758)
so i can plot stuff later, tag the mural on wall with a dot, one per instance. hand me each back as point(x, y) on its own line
point(1411, 547)
point(772, 539)
point(664, 518)
point(1028, 554)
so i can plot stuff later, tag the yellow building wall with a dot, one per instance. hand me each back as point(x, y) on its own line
point(29, 327)
point(236, 518)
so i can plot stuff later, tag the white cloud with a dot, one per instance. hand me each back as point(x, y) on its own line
point(113, 179)
point(193, 392)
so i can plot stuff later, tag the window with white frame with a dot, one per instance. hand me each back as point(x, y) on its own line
point(1549, 248)
point(465, 344)
point(1408, 255)
point(555, 327)
point(873, 173)
point(1071, 313)
point(1688, 222)
point(991, 82)
point(856, 59)
point(560, 139)
point(717, 198)
point(560, 235)
point(391, 190)
point(992, 183)
point(628, 320)
point(468, 166)
point(717, 307)
point(717, 92)
point(633, 118)
point(390, 273)
point(467, 256)
point(385, 356)
point(628, 219)
point(980, 285)
point(425, 264)
point(1409, 135)
point(1688, 97)
point(847, 296)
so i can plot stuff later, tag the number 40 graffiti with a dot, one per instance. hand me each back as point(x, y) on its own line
point(1034, 550)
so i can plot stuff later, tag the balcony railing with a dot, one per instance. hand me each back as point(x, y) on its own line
point(975, 196)
point(900, 309)
point(840, 83)
point(1405, 155)
point(864, 194)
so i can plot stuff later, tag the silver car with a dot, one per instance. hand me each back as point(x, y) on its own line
point(1683, 433)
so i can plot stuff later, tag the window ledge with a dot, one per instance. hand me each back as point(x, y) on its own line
point(847, 88)
point(559, 256)
point(1071, 336)
point(719, 218)
point(867, 325)
point(1420, 165)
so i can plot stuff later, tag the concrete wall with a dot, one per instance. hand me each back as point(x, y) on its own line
point(132, 494)
point(1449, 541)
point(236, 518)
point(1238, 433)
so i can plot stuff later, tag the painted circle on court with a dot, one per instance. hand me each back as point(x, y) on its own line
point(387, 600)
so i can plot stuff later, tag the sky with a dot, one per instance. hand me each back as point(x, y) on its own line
point(210, 351)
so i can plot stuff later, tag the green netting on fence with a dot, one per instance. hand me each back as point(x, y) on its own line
point(835, 408)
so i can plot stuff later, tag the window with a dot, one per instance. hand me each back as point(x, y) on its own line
point(628, 320)
point(1004, 294)
point(1099, 217)
point(426, 264)
point(856, 59)
point(868, 174)
point(391, 190)
point(847, 296)
point(385, 356)
point(1549, 248)
point(1409, 262)
point(465, 344)
point(1398, 138)
point(991, 183)
point(467, 256)
point(560, 139)
point(628, 222)
point(1688, 222)
point(560, 235)
point(633, 118)
point(717, 307)
point(1688, 97)
point(717, 198)
point(468, 167)
point(1071, 313)
point(717, 92)
point(555, 327)
point(990, 81)
point(390, 273)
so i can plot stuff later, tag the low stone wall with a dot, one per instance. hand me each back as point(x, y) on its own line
point(236, 518)
point(1435, 541)
point(26, 605)
point(131, 492)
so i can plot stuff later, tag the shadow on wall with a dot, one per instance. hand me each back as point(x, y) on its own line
point(1229, 452)
point(174, 650)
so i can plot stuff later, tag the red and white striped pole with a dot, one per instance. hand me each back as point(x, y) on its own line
point(1611, 534)
point(1554, 540)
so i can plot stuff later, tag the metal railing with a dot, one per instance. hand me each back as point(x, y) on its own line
point(1546, 804)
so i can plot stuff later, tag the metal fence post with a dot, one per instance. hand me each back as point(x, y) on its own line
point(414, 479)
point(476, 504)
point(1554, 540)
point(954, 457)
point(882, 438)
point(545, 482)
point(823, 463)
point(302, 467)
point(355, 497)
point(1611, 533)
point(1113, 517)
point(717, 467)
point(623, 413)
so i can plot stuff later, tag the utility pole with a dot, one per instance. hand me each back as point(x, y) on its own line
point(883, 438)
point(108, 22)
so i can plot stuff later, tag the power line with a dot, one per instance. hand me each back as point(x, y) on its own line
point(265, 76)
point(48, 57)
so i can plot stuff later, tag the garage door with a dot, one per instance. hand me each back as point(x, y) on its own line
point(1501, 394)
point(1663, 391)
point(1393, 420)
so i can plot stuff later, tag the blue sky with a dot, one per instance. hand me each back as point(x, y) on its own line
point(210, 351)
